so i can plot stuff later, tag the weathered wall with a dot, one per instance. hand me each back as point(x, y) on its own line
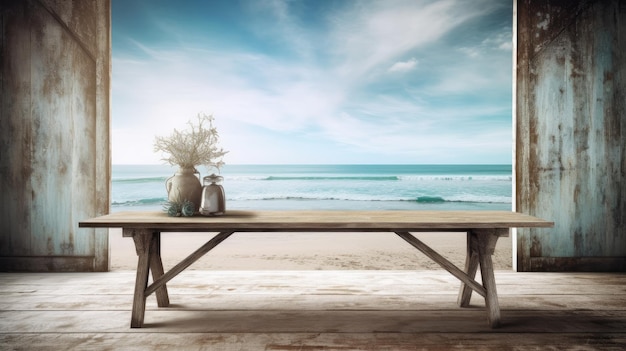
point(570, 134)
point(54, 134)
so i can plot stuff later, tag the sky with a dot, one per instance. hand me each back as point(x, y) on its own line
point(316, 81)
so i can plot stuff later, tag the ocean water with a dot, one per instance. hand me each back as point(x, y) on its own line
point(330, 187)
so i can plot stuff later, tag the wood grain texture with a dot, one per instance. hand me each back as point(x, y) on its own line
point(143, 242)
point(156, 267)
point(320, 221)
point(471, 266)
point(485, 228)
point(570, 131)
point(313, 310)
point(486, 243)
point(55, 71)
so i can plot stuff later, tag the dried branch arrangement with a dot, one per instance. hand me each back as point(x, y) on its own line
point(193, 147)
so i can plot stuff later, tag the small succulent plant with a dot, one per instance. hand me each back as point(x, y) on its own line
point(187, 209)
point(176, 209)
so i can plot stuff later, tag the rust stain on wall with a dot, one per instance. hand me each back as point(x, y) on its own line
point(55, 147)
point(570, 130)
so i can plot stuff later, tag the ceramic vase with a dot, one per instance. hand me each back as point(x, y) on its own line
point(185, 185)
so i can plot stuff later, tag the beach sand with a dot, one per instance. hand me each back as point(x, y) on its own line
point(305, 251)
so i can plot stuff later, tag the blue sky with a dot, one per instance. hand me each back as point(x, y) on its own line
point(319, 81)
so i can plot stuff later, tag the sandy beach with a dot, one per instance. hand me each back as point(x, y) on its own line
point(321, 187)
point(305, 251)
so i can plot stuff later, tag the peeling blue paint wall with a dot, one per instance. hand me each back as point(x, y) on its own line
point(570, 134)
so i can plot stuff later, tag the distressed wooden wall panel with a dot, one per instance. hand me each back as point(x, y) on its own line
point(570, 130)
point(55, 155)
point(63, 100)
point(102, 143)
point(15, 133)
point(80, 17)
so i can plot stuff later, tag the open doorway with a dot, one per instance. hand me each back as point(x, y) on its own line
point(296, 85)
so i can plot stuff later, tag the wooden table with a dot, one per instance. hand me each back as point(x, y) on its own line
point(483, 229)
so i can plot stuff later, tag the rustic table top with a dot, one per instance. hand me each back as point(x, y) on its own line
point(320, 221)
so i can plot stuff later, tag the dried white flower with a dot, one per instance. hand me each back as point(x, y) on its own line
point(193, 147)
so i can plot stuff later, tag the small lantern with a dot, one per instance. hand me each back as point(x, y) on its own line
point(213, 196)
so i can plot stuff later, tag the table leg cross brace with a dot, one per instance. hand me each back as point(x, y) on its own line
point(480, 247)
point(147, 244)
point(196, 255)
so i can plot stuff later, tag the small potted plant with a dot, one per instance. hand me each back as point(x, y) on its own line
point(188, 149)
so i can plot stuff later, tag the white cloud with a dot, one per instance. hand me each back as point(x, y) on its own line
point(506, 46)
point(266, 106)
point(403, 66)
point(501, 40)
point(373, 33)
point(422, 140)
point(472, 52)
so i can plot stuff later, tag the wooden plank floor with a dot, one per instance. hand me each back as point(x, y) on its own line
point(312, 310)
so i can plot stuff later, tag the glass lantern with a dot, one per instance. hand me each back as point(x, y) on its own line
point(213, 197)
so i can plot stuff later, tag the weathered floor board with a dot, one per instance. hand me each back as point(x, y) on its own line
point(311, 310)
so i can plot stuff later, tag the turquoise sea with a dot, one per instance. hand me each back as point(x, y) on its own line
point(341, 187)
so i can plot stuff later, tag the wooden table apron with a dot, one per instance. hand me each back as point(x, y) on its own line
point(483, 229)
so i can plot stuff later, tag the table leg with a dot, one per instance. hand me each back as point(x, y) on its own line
point(143, 244)
point(471, 266)
point(156, 266)
point(486, 243)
